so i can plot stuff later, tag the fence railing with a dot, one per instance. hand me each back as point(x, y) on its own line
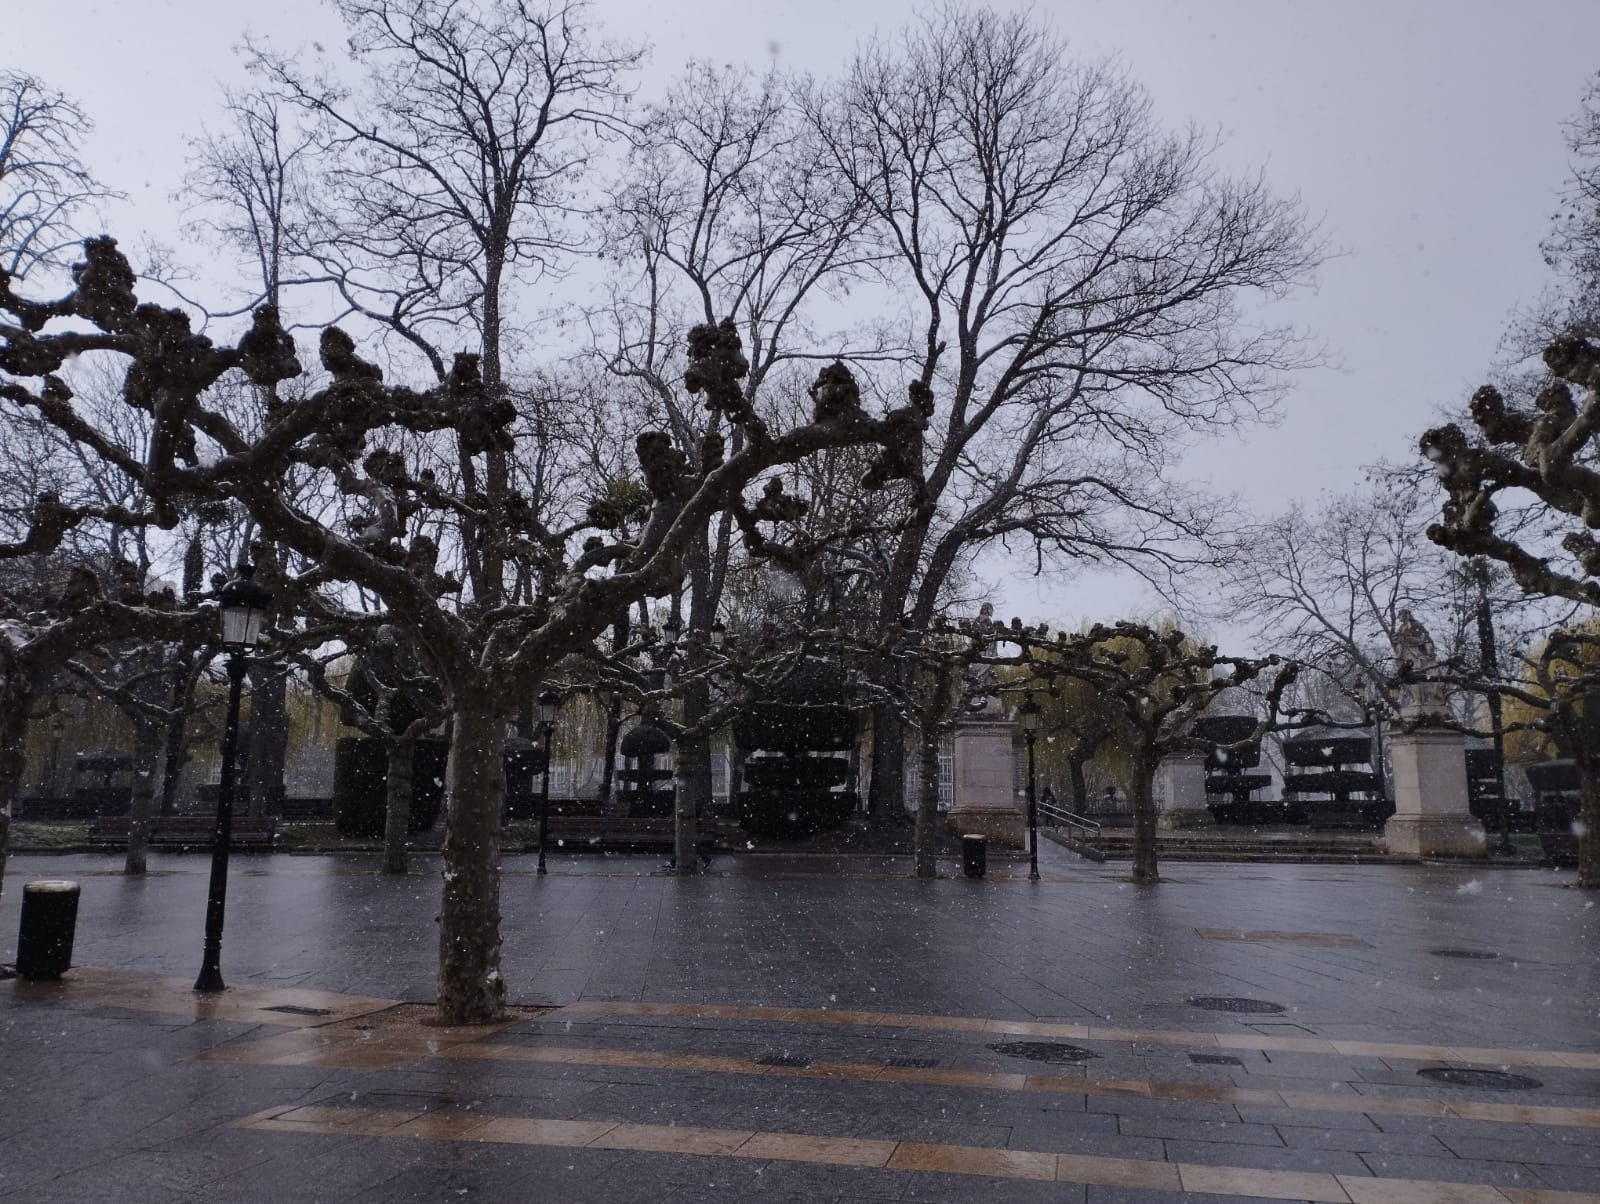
point(1077, 832)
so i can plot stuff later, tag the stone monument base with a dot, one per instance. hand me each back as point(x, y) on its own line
point(1002, 825)
point(1178, 818)
point(1432, 817)
point(1435, 836)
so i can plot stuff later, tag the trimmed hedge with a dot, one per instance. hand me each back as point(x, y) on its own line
point(360, 783)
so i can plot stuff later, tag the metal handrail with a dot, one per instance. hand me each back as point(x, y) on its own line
point(1083, 834)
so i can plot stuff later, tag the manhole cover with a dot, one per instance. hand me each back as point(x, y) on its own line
point(1483, 1080)
point(1054, 1052)
point(1232, 1003)
point(1480, 955)
point(1215, 1059)
point(912, 1063)
point(784, 1059)
point(294, 1009)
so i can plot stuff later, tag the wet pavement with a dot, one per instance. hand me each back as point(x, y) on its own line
point(815, 1029)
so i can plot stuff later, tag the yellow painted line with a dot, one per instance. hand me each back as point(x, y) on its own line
point(1576, 1060)
point(93, 986)
point(986, 1162)
point(1349, 1102)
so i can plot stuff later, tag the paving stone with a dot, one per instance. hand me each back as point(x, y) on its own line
point(764, 934)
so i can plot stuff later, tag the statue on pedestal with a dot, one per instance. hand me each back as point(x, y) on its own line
point(1415, 657)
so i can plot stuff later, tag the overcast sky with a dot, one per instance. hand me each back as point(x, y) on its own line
point(1427, 136)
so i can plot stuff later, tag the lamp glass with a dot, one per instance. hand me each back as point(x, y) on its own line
point(241, 626)
point(549, 701)
point(1028, 715)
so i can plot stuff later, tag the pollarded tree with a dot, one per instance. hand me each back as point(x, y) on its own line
point(484, 656)
point(1158, 682)
point(1551, 455)
point(1079, 289)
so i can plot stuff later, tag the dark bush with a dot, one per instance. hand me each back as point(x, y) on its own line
point(360, 774)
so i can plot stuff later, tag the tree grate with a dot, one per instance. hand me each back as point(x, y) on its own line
point(1483, 1080)
point(798, 1061)
point(1215, 1059)
point(1233, 1003)
point(1055, 1052)
point(294, 1009)
point(1480, 955)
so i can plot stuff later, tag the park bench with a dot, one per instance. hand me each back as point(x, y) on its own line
point(250, 834)
point(618, 833)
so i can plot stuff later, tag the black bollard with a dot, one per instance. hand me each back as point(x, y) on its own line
point(974, 855)
point(49, 916)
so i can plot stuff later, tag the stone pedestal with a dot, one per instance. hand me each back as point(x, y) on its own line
point(1180, 791)
point(985, 800)
point(1431, 816)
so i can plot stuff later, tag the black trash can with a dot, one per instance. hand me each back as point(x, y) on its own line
point(49, 916)
point(974, 854)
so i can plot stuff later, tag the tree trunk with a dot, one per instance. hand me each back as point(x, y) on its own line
point(269, 744)
point(145, 740)
point(886, 794)
point(470, 988)
point(398, 787)
point(685, 830)
point(1141, 790)
point(1080, 787)
point(926, 833)
point(608, 770)
point(1589, 822)
point(179, 701)
point(13, 727)
point(925, 836)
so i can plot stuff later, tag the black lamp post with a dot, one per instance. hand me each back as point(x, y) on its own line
point(244, 606)
point(1028, 715)
point(549, 703)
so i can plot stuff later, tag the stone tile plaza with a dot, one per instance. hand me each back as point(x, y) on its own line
point(803, 1029)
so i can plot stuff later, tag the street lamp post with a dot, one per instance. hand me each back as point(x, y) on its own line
point(1028, 714)
point(549, 703)
point(244, 606)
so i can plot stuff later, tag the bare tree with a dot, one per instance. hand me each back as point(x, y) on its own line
point(1548, 454)
point(483, 657)
point(1327, 586)
point(45, 190)
point(1080, 293)
point(721, 208)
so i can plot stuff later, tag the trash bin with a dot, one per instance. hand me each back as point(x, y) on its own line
point(49, 916)
point(974, 854)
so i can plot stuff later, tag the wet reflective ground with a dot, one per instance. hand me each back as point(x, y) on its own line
point(784, 1029)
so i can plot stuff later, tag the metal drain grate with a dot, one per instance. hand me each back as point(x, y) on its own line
point(1233, 1003)
point(1215, 1059)
point(1055, 1052)
point(1481, 955)
point(1483, 1080)
point(911, 1063)
point(294, 1009)
point(799, 1061)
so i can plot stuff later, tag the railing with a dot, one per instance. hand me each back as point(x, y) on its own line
point(1080, 834)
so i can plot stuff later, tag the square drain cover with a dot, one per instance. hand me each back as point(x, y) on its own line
point(1215, 1059)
